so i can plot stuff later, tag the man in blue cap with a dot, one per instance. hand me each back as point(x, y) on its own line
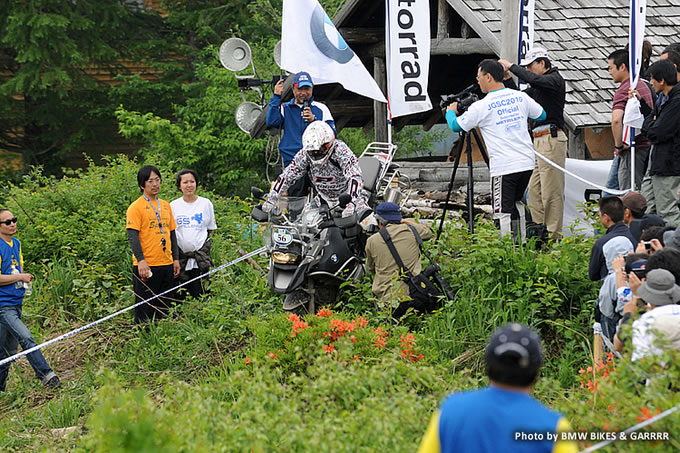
point(387, 287)
point(293, 117)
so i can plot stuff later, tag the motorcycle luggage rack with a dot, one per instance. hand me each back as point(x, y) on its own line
point(376, 163)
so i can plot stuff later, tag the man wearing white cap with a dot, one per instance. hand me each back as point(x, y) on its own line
point(546, 187)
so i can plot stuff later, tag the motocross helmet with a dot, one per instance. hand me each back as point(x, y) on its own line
point(318, 141)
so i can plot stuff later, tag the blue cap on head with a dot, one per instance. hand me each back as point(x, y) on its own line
point(389, 211)
point(302, 79)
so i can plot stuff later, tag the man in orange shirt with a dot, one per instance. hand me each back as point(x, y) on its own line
point(151, 234)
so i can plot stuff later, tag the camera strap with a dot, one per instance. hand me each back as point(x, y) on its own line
point(420, 243)
point(393, 250)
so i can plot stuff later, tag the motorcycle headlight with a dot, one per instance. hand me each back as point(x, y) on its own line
point(284, 257)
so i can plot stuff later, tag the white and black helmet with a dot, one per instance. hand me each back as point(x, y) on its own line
point(318, 141)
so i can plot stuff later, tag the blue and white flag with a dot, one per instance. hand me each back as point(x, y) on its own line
point(407, 54)
point(636, 35)
point(526, 28)
point(526, 33)
point(311, 43)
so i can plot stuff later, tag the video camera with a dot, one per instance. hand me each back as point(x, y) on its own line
point(465, 99)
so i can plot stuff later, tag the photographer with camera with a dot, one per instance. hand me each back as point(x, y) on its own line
point(294, 116)
point(546, 186)
point(380, 260)
point(502, 117)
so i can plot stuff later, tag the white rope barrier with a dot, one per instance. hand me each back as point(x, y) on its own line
point(583, 180)
point(623, 435)
point(106, 318)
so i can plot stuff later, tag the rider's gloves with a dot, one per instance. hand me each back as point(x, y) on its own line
point(268, 206)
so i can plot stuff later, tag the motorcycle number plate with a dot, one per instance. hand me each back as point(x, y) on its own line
point(282, 237)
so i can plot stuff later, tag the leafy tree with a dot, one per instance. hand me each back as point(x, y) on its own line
point(203, 134)
point(50, 54)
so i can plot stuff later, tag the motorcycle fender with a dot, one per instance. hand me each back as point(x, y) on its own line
point(298, 278)
point(280, 280)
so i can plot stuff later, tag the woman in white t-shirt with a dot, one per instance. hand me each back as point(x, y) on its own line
point(195, 219)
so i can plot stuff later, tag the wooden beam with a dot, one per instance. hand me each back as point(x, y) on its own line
point(362, 35)
point(334, 94)
point(380, 108)
point(400, 122)
point(460, 46)
point(345, 11)
point(448, 46)
point(432, 120)
point(510, 29)
point(442, 20)
point(474, 20)
point(577, 144)
point(341, 122)
point(345, 107)
point(367, 127)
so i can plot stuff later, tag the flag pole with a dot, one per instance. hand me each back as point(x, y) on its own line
point(632, 55)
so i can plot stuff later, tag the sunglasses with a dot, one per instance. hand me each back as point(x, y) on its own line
point(8, 222)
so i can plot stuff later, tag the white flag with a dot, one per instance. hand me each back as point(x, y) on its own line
point(526, 33)
point(311, 43)
point(636, 35)
point(526, 28)
point(407, 52)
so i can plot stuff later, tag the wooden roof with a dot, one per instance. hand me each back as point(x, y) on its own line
point(578, 34)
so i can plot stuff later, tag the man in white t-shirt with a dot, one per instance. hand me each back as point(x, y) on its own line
point(502, 117)
point(195, 219)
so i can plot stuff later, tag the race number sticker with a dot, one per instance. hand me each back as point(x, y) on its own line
point(282, 237)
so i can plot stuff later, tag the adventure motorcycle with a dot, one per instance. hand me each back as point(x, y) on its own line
point(313, 250)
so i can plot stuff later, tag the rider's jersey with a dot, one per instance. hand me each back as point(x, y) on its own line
point(338, 175)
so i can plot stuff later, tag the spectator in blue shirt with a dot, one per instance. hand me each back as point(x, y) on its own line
point(293, 117)
point(502, 417)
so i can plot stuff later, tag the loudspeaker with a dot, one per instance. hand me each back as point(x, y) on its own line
point(246, 115)
point(277, 54)
point(235, 54)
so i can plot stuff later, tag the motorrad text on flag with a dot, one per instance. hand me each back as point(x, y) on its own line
point(408, 55)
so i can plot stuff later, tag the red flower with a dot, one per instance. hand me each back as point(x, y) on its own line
point(273, 356)
point(247, 360)
point(324, 313)
point(292, 317)
point(329, 348)
point(298, 326)
point(362, 322)
point(646, 414)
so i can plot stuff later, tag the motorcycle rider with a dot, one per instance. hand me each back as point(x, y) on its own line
point(332, 168)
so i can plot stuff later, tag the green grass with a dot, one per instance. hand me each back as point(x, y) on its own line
point(204, 380)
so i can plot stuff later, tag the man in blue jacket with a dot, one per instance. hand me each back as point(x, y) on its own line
point(293, 117)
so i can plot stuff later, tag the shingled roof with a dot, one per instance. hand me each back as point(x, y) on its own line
point(579, 35)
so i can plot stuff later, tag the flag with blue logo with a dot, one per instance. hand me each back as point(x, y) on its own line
point(311, 43)
point(632, 117)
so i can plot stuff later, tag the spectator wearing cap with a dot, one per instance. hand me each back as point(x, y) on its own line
point(659, 327)
point(634, 207)
point(293, 117)
point(387, 287)
point(502, 416)
point(546, 186)
point(606, 300)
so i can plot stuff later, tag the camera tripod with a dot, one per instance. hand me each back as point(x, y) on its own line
point(465, 140)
